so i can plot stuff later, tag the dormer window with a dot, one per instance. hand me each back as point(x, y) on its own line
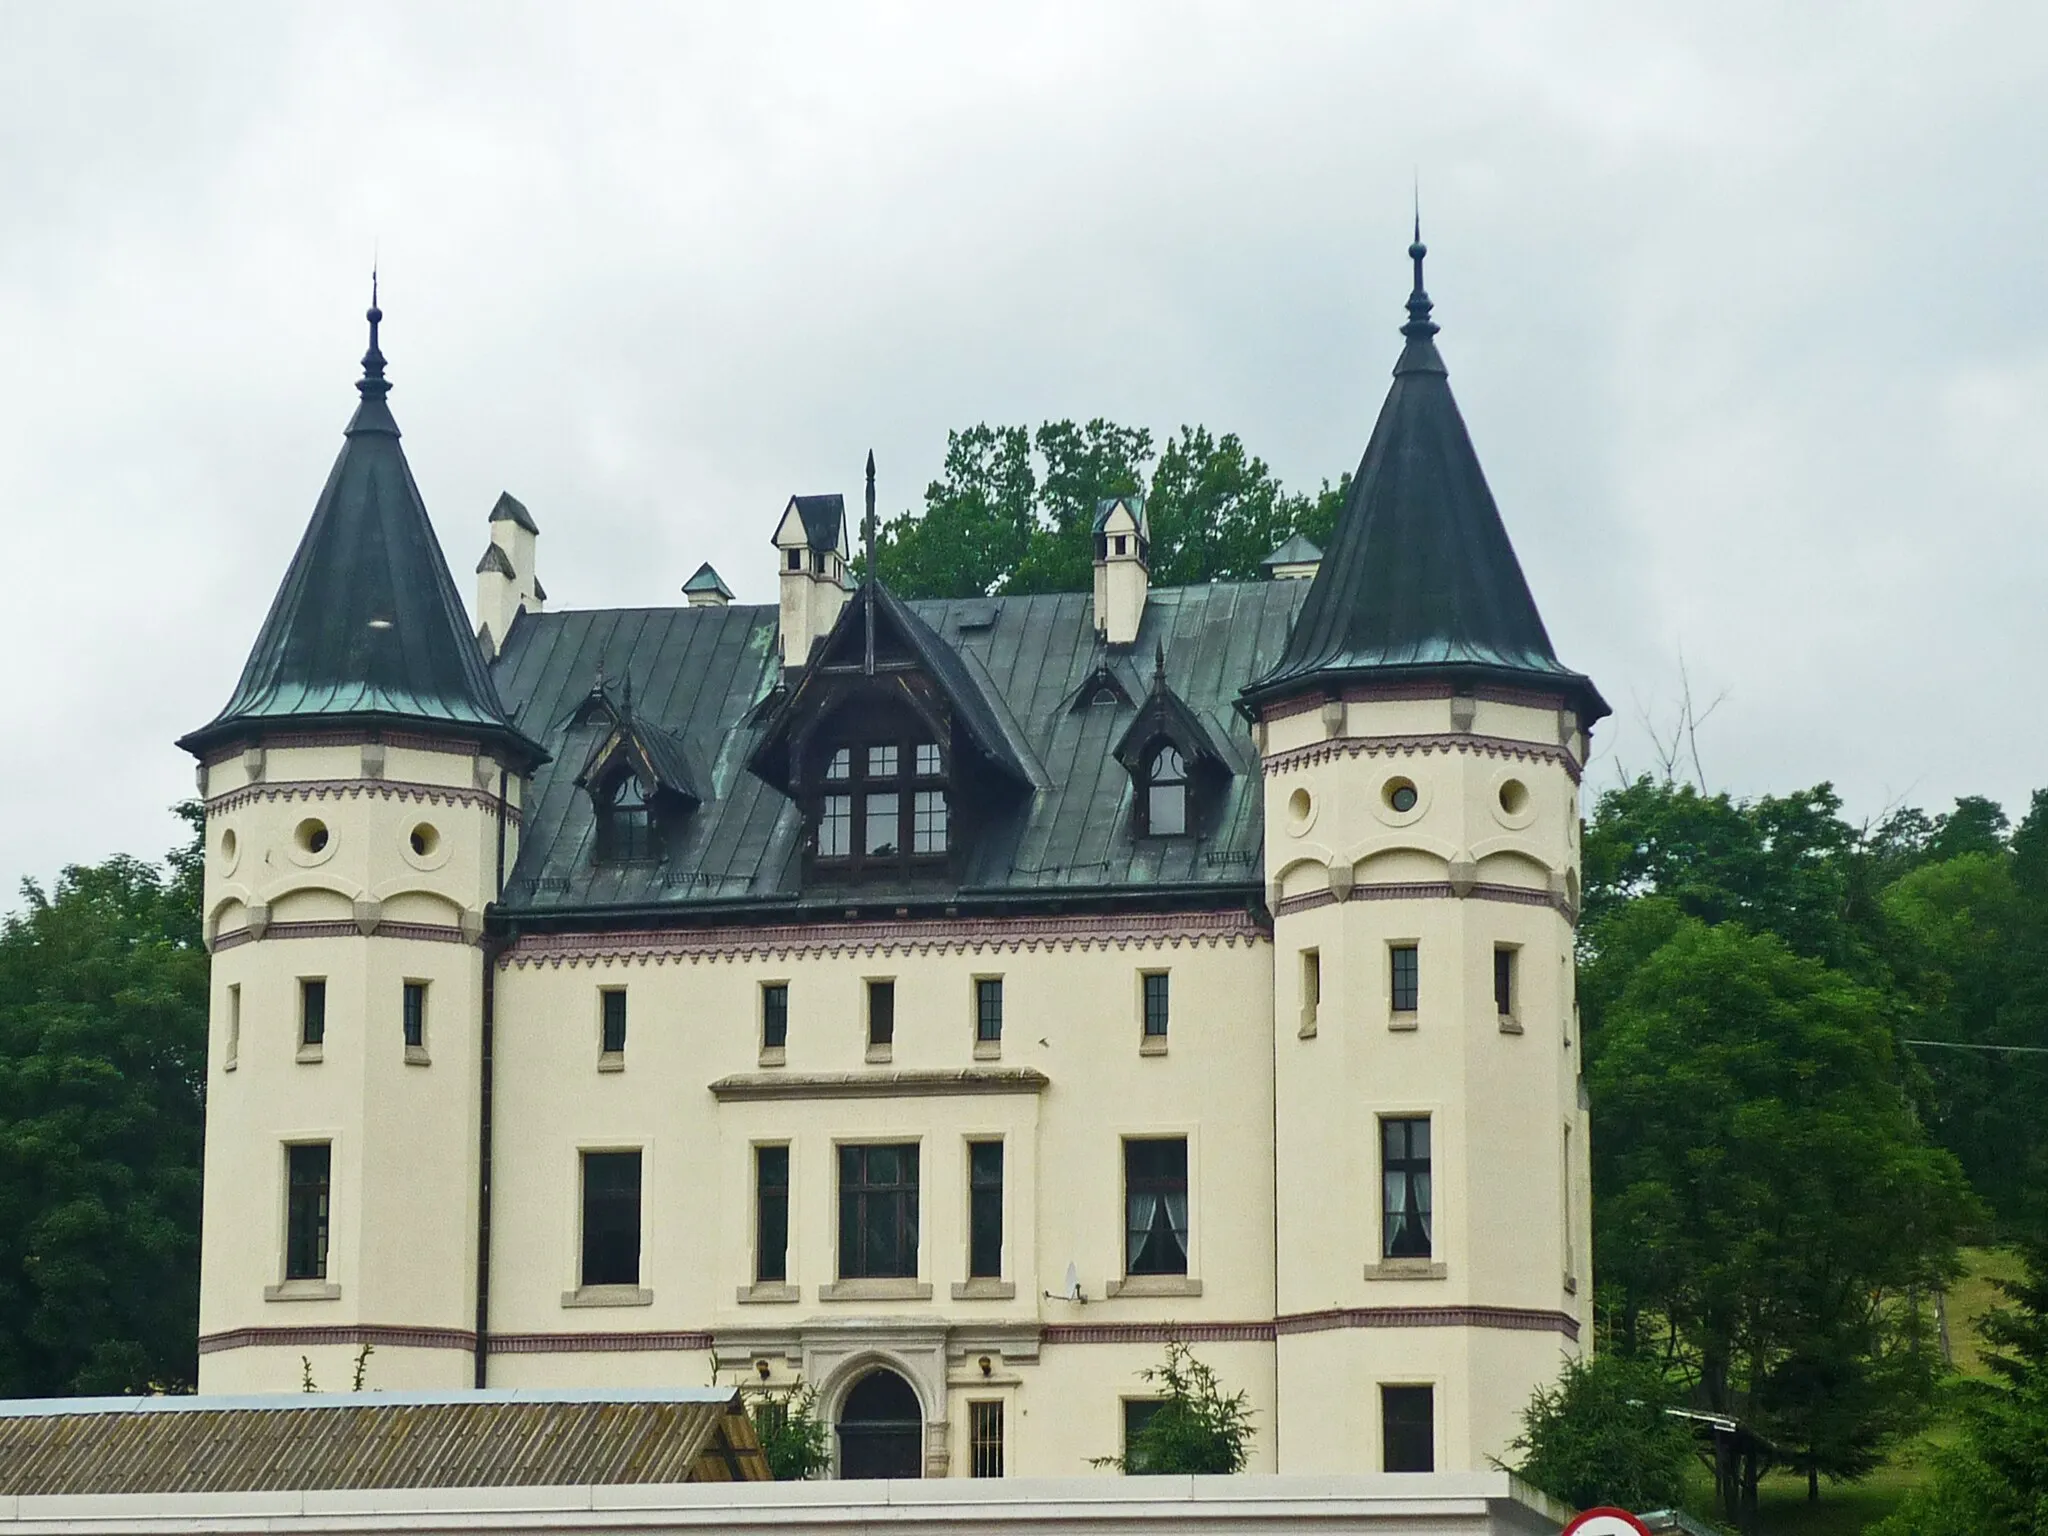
point(883, 805)
point(625, 823)
point(1166, 793)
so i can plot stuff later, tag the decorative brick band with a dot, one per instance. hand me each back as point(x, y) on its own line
point(379, 789)
point(594, 1343)
point(1512, 1319)
point(1426, 890)
point(925, 936)
point(1156, 1333)
point(453, 745)
point(381, 1334)
point(1439, 741)
point(343, 928)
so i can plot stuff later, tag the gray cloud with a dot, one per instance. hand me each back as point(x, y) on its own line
point(1744, 310)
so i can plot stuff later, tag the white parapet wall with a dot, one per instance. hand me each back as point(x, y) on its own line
point(1440, 1504)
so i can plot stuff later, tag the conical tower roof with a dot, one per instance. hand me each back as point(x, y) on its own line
point(366, 629)
point(1420, 582)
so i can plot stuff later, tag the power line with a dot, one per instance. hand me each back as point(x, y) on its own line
point(1964, 1045)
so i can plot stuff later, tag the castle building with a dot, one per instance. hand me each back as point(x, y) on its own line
point(942, 1003)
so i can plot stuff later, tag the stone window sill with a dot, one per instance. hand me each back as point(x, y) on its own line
point(1151, 1045)
point(1510, 1025)
point(303, 1290)
point(608, 1296)
point(611, 1061)
point(416, 1056)
point(877, 1055)
point(1308, 1025)
point(875, 1290)
point(774, 1055)
point(1154, 1285)
point(767, 1292)
point(984, 1288)
point(229, 1064)
point(988, 1050)
point(1407, 1269)
point(1402, 1021)
point(308, 1053)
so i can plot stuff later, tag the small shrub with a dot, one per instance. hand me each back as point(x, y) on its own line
point(1196, 1429)
point(795, 1441)
point(1600, 1435)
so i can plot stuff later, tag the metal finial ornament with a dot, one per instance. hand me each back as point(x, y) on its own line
point(868, 595)
point(373, 385)
point(1419, 324)
point(1159, 665)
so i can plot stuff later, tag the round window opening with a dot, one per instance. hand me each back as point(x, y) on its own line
point(227, 845)
point(312, 835)
point(1298, 806)
point(1401, 796)
point(425, 839)
point(1514, 797)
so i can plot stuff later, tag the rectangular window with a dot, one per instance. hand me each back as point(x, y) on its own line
point(1504, 980)
point(881, 762)
point(1138, 1414)
point(881, 1013)
point(612, 1034)
point(1407, 974)
point(1408, 1429)
point(1404, 1167)
point(1156, 1206)
point(796, 560)
point(988, 1008)
point(415, 1015)
point(928, 821)
point(985, 1439)
point(234, 1046)
point(308, 1193)
point(1311, 985)
point(771, 1213)
point(878, 1212)
point(835, 827)
point(611, 1218)
point(883, 812)
point(928, 766)
point(840, 765)
point(985, 1210)
point(1155, 1005)
point(774, 1015)
point(312, 1011)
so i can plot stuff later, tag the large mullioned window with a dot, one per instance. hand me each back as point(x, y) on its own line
point(883, 805)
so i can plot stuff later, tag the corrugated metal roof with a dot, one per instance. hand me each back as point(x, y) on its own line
point(699, 673)
point(374, 1440)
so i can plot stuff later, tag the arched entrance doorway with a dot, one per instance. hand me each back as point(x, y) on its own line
point(881, 1428)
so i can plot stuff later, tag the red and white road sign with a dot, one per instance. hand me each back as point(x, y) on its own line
point(1606, 1522)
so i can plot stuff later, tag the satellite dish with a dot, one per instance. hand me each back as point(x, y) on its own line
point(1073, 1290)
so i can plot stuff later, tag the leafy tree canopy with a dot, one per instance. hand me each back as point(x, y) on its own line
point(1601, 1435)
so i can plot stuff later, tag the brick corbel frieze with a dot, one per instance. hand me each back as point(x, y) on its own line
point(900, 936)
point(379, 789)
point(470, 932)
point(1504, 747)
point(1430, 890)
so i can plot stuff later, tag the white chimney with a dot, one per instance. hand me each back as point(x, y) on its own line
point(506, 580)
point(705, 589)
point(811, 554)
point(1123, 551)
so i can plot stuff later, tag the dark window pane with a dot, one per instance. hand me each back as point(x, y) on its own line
point(312, 1012)
point(985, 1210)
point(985, 1439)
point(1138, 1413)
point(1404, 1161)
point(840, 765)
point(308, 1192)
point(775, 1015)
point(1156, 1000)
point(1504, 980)
point(1156, 1207)
point(883, 812)
point(614, 1032)
point(1407, 977)
point(878, 1212)
point(771, 1212)
point(881, 1012)
point(415, 1014)
point(988, 1008)
point(881, 762)
point(835, 827)
point(928, 760)
point(611, 1218)
point(928, 821)
point(1408, 1428)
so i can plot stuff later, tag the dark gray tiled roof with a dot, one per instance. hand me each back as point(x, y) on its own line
point(700, 673)
point(822, 517)
point(510, 509)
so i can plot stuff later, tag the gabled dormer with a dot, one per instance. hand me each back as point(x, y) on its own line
point(640, 778)
point(1178, 772)
point(889, 746)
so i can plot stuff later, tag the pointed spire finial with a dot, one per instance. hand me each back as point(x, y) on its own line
point(373, 385)
point(1419, 325)
point(1159, 666)
point(868, 538)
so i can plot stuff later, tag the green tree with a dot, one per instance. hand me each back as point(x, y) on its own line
point(1196, 1429)
point(795, 1441)
point(102, 1069)
point(1769, 1208)
point(978, 521)
point(1083, 465)
point(1600, 1435)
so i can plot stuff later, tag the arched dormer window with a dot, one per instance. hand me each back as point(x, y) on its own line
point(625, 822)
point(882, 804)
point(1166, 792)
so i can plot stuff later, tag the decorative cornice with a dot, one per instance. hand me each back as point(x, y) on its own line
point(901, 936)
point(1426, 890)
point(343, 928)
point(879, 1085)
point(380, 789)
point(1156, 1333)
point(1512, 1319)
point(455, 746)
point(1423, 744)
point(384, 1334)
point(595, 1343)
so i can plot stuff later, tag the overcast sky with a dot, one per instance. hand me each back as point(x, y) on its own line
point(1743, 303)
